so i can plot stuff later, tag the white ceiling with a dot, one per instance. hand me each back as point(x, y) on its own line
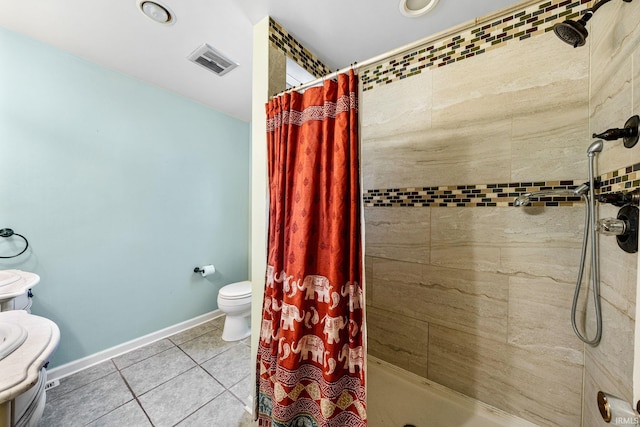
point(115, 34)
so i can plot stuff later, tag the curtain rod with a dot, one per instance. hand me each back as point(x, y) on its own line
point(413, 45)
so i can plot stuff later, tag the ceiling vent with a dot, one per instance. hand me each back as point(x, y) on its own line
point(212, 60)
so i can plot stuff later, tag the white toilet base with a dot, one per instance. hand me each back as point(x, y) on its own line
point(236, 328)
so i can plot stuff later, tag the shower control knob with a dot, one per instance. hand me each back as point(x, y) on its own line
point(629, 133)
point(612, 134)
point(612, 226)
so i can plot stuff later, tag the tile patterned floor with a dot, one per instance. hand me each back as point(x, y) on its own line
point(191, 379)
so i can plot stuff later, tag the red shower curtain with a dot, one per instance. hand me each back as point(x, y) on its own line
point(310, 365)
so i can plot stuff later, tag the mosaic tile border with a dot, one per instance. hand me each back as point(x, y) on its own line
point(624, 179)
point(285, 42)
point(497, 195)
point(533, 20)
point(479, 195)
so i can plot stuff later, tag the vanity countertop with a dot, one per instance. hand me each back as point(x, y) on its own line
point(14, 283)
point(20, 369)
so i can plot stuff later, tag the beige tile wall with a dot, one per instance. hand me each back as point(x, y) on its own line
point(503, 306)
point(505, 129)
point(615, 80)
point(479, 298)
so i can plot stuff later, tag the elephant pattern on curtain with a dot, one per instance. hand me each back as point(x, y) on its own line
point(310, 364)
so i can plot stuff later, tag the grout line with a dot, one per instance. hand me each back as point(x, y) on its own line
point(135, 396)
point(83, 385)
point(196, 410)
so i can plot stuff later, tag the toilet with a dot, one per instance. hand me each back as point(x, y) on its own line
point(235, 301)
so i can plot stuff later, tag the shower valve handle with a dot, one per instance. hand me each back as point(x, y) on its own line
point(613, 134)
point(629, 133)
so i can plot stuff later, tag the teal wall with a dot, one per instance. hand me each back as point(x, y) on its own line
point(121, 188)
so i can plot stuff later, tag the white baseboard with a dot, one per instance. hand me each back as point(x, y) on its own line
point(70, 368)
point(249, 407)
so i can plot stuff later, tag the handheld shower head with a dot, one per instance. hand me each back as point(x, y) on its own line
point(595, 147)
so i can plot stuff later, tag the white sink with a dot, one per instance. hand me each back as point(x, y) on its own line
point(26, 343)
point(14, 284)
point(8, 277)
point(11, 337)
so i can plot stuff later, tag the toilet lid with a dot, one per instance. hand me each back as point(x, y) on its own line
point(236, 290)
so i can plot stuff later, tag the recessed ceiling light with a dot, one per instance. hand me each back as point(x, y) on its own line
point(157, 12)
point(415, 8)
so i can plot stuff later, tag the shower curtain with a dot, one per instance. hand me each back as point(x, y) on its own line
point(310, 364)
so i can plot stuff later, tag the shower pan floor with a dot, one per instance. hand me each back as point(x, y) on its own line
point(396, 397)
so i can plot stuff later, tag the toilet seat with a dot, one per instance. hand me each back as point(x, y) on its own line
point(234, 291)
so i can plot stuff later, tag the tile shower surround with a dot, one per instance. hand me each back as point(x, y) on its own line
point(492, 195)
point(523, 24)
point(479, 299)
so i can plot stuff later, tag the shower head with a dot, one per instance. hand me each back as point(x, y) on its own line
point(525, 199)
point(573, 32)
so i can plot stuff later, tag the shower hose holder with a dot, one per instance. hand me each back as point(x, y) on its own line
point(629, 133)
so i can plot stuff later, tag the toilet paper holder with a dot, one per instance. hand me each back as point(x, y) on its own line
point(205, 270)
point(616, 411)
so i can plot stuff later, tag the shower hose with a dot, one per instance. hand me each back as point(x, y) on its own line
point(589, 227)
